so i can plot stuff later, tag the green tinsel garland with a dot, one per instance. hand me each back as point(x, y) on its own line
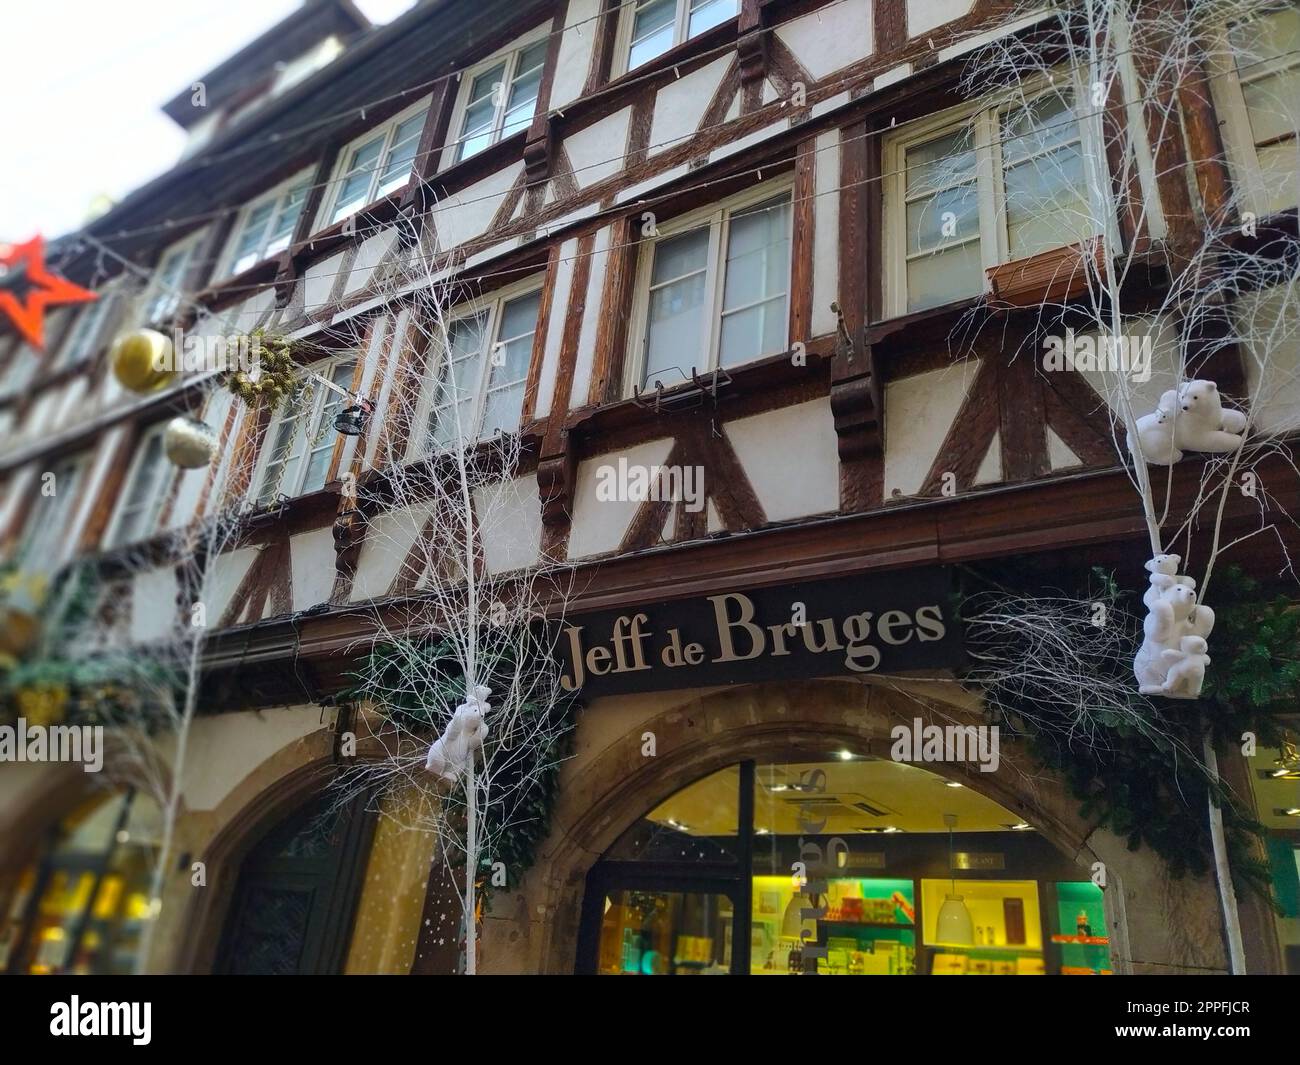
point(278, 376)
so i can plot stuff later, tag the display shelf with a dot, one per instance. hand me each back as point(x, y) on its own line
point(1089, 941)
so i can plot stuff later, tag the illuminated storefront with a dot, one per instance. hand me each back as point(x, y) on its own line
point(82, 904)
point(846, 863)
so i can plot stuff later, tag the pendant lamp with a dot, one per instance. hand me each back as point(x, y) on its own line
point(954, 924)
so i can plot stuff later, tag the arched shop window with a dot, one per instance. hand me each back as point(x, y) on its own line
point(81, 905)
point(709, 881)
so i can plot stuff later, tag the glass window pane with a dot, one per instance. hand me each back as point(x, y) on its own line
point(1046, 205)
point(945, 276)
point(1044, 123)
point(758, 254)
point(480, 116)
point(698, 824)
point(681, 255)
point(948, 217)
point(665, 933)
point(401, 156)
point(944, 161)
point(674, 331)
point(705, 14)
point(653, 31)
point(354, 188)
point(1274, 35)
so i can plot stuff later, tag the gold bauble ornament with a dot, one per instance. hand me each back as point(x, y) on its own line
point(189, 442)
point(142, 360)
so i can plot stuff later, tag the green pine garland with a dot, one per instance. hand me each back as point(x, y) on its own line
point(419, 683)
point(1147, 786)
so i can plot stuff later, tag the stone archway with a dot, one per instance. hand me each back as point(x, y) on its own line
point(1158, 924)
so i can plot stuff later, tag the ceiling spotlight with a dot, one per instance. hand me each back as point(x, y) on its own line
point(951, 784)
point(1021, 826)
point(762, 831)
point(1290, 811)
point(846, 756)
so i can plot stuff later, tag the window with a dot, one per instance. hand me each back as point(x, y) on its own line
point(500, 100)
point(168, 286)
point(478, 383)
point(147, 484)
point(89, 331)
point(654, 26)
point(713, 291)
point(266, 226)
point(48, 521)
point(377, 164)
point(994, 185)
point(82, 905)
point(1257, 84)
point(300, 442)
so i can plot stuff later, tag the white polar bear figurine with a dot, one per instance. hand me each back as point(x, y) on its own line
point(1163, 630)
point(1164, 575)
point(1155, 432)
point(450, 753)
point(1201, 423)
point(1186, 668)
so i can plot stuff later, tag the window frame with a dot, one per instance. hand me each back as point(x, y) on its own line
point(1238, 134)
point(58, 519)
point(173, 295)
point(90, 329)
point(157, 500)
point(681, 34)
point(338, 172)
point(510, 56)
point(275, 196)
point(718, 216)
point(422, 443)
point(326, 368)
point(984, 116)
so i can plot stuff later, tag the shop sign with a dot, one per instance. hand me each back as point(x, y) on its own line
point(970, 860)
point(852, 626)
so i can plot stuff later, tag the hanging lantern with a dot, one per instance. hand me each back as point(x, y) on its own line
point(142, 360)
point(351, 421)
point(189, 442)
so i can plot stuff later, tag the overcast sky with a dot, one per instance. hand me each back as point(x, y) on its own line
point(82, 81)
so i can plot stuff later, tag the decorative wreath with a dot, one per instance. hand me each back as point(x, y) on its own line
point(278, 376)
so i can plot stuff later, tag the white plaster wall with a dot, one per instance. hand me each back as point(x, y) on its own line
point(597, 151)
point(467, 213)
point(225, 748)
point(919, 409)
point(153, 606)
point(372, 250)
point(598, 526)
point(575, 51)
point(555, 327)
point(925, 15)
point(318, 282)
point(389, 537)
point(680, 104)
point(826, 233)
point(312, 557)
point(990, 467)
point(825, 41)
point(224, 577)
point(1272, 320)
point(1059, 455)
point(1144, 395)
point(586, 354)
point(510, 517)
point(791, 457)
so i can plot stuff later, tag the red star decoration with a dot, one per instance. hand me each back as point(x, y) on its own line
point(27, 288)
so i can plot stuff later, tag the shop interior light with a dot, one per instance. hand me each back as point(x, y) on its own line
point(846, 756)
point(1290, 811)
point(951, 784)
point(1020, 826)
point(953, 923)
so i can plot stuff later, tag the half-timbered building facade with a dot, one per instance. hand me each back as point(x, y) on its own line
point(690, 222)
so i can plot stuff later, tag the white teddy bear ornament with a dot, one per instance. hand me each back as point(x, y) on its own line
point(449, 755)
point(1189, 418)
point(1172, 659)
